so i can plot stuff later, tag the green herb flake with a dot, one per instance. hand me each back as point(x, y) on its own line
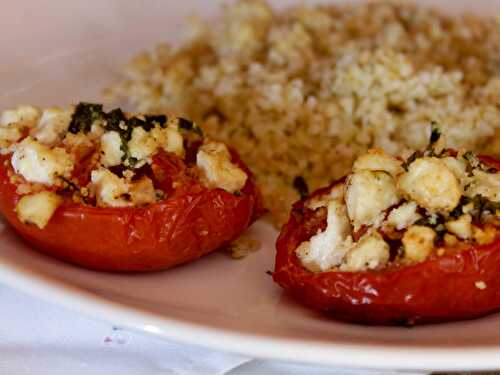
point(472, 161)
point(158, 119)
point(300, 184)
point(458, 211)
point(190, 126)
point(84, 116)
point(416, 155)
point(113, 120)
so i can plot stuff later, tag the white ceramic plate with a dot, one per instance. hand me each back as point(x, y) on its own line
point(59, 52)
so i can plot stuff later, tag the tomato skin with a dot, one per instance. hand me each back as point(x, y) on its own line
point(437, 290)
point(190, 223)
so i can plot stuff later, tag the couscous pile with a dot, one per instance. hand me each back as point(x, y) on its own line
point(302, 92)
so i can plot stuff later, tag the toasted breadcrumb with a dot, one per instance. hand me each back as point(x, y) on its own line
point(242, 247)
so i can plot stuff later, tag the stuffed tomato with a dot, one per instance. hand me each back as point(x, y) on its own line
point(399, 242)
point(112, 191)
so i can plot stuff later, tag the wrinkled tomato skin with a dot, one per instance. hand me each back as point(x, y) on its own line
point(190, 223)
point(437, 290)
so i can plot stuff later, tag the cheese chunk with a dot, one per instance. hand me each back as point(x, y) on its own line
point(485, 184)
point(142, 145)
point(378, 160)
point(38, 208)
point(110, 189)
point(337, 192)
point(38, 163)
point(327, 249)
point(111, 149)
point(370, 252)
point(13, 122)
point(52, 126)
point(418, 243)
point(431, 184)
point(214, 161)
point(24, 116)
point(456, 166)
point(114, 191)
point(142, 192)
point(9, 135)
point(461, 227)
point(175, 142)
point(403, 216)
point(368, 195)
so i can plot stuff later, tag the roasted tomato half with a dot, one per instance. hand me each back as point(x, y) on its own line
point(186, 220)
point(452, 278)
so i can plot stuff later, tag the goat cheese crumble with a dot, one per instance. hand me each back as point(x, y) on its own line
point(395, 211)
point(102, 158)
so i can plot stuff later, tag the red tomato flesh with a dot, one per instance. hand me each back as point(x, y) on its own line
point(437, 290)
point(189, 223)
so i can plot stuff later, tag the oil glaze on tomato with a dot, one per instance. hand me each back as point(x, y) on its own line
point(189, 223)
point(436, 290)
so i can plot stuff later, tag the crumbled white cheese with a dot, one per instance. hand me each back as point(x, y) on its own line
point(52, 126)
point(214, 161)
point(173, 140)
point(114, 191)
point(336, 192)
point(109, 189)
point(403, 216)
point(12, 124)
point(418, 243)
point(142, 192)
point(431, 184)
point(38, 208)
point(327, 249)
point(368, 195)
point(9, 135)
point(142, 144)
point(74, 142)
point(370, 252)
point(39, 163)
point(96, 130)
point(111, 149)
point(457, 166)
point(24, 116)
point(378, 160)
point(485, 184)
point(484, 235)
point(460, 227)
point(481, 285)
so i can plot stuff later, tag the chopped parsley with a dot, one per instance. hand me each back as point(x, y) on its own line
point(472, 162)
point(115, 120)
point(482, 204)
point(156, 119)
point(84, 116)
point(300, 184)
point(416, 155)
point(435, 133)
point(190, 126)
point(458, 211)
point(429, 151)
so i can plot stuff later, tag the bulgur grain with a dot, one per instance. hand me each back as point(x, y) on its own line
point(302, 92)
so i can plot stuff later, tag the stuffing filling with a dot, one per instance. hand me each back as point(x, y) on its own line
point(393, 211)
point(105, 159)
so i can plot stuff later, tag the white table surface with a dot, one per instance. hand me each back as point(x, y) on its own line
point(40, 338)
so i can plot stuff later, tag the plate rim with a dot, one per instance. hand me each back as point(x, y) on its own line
point(91, 304)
